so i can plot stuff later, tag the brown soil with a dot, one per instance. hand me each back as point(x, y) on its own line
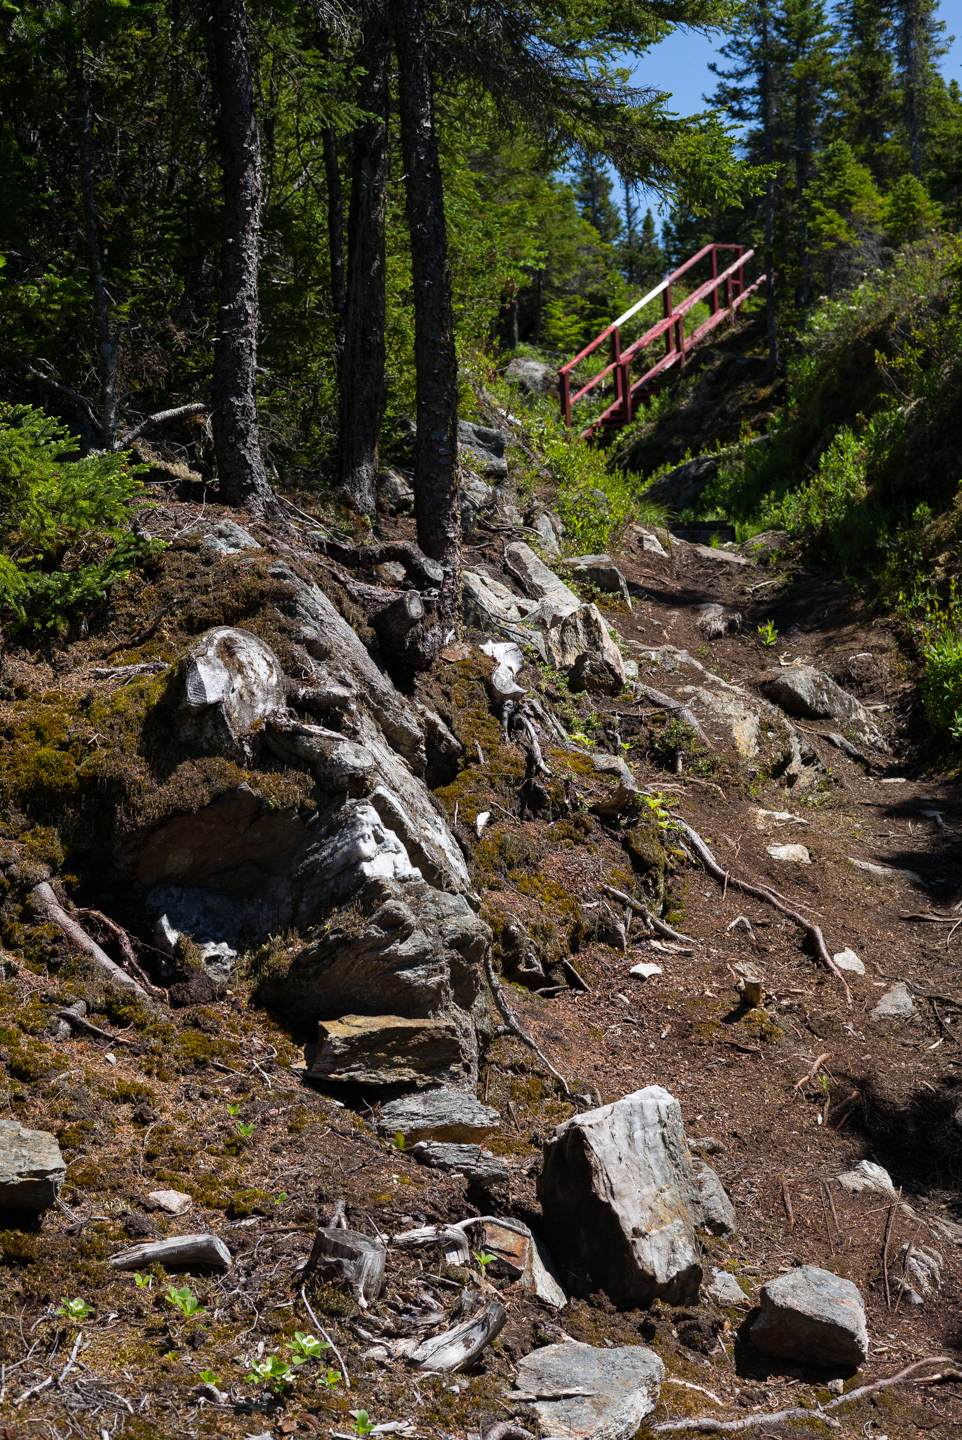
point(154, 1113)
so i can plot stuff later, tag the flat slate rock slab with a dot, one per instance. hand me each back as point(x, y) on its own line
point(812, 1317)
point(438, 1114)
point(32, 1168)
point(619, 1388)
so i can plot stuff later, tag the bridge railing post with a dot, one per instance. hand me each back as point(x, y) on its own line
point(565, 380)
point(667, 312)
point(713, 302)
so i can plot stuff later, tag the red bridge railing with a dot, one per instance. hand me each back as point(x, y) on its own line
point(725, 291)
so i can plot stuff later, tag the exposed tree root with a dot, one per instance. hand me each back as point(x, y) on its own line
point(709, 1425)
point(514, 1025)
point(812, 931)
point(49, 908)
point(647, 915)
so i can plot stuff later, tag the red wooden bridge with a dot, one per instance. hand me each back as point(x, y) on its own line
point(724, 292)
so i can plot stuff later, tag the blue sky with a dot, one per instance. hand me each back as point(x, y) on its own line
point(680, 65)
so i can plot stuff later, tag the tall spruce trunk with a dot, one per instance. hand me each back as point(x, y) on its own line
point(240, 465)
point(765, 85)
point(436, 499)
point(363, 355)
point(335, 210)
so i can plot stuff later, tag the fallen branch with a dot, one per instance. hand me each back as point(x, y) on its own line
point(646, 914)
point(324, 1335)
point(159, 417)
point(49, 908)
point(72, 1018)
point(131, 963)
point(812, 931)
point(514, 1025)
point(893, 1211)
point(708, 1425)
point(812, 1073)
point(178, 1250)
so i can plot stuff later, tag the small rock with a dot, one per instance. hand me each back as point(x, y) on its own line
point(228, 538)
point(383, 1050)
point(715, 621)
point(518, 1252)
point(848, 960)
point(920, 1273)
point(623, 1386)
point(232, 681)
point(600, 570)
point(866, 1175)
point(631, 671)
point(888, 872)
point(895, 1004)
point(438, 1114)
point(767, 819)
point(32, 1168)
point(812, 1317)
point(716, 1212)
point(175, 1202)
point(651, 544)
point(395, 494)
point(836, 1387)
point(725, 1289)
point(579, 643)
point(392, 572)
point(549, 540)
point(471, 1161)
point(796, 854)
point(706, 1145)
point(484, 447)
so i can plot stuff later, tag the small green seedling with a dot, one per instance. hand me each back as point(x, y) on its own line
point(484, 1260)
point(209, 1378)
point(185, 1301)
point(274, 1371)
point(143, 1282)
point(76, 1309)
point(246, 1130)
point(768, 634)
point(656, 804)
point(399, 1141)
point(233, 1109)
point(306, 1347)
point(331, 1380)
point(279, 1199)
point(363, 1424)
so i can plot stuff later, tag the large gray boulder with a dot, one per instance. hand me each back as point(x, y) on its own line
point(622, 1386)
point(802, 690)
point(438, 1115)
point(533, 377)
point(812, 1316)
point(32, 1168)
point(621, 1199)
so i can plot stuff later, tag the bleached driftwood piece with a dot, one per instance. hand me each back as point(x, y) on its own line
point(178, 1250)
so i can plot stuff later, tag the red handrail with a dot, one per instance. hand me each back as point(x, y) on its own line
point(731, 281)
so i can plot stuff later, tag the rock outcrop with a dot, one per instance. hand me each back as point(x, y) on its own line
point(804, 691)
point(438, 1115)
point(621, 1199)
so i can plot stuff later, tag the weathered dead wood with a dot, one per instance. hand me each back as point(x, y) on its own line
point(72, 1018)
point(324, 1336)
point(459, 1347)
point(508, 1430)
point(723, 877)
point(709, 1425)
point(893, 1211)
point(350, 1257)
point(178, 1250)
point(427, 574)
point(514, 1025)
point(49, 908)
point(451, 1238)
point(651, 919)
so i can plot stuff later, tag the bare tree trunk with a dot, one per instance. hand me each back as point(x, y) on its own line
point(106, 338)
point(436, 499)
point(362, 363)
point(765, 79)
point(240, 465)
point(335, 215)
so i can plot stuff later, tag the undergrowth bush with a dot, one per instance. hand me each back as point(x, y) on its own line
point(65, 533)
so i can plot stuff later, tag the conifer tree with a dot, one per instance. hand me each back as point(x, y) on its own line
point(919, 48)
point(868, 93)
